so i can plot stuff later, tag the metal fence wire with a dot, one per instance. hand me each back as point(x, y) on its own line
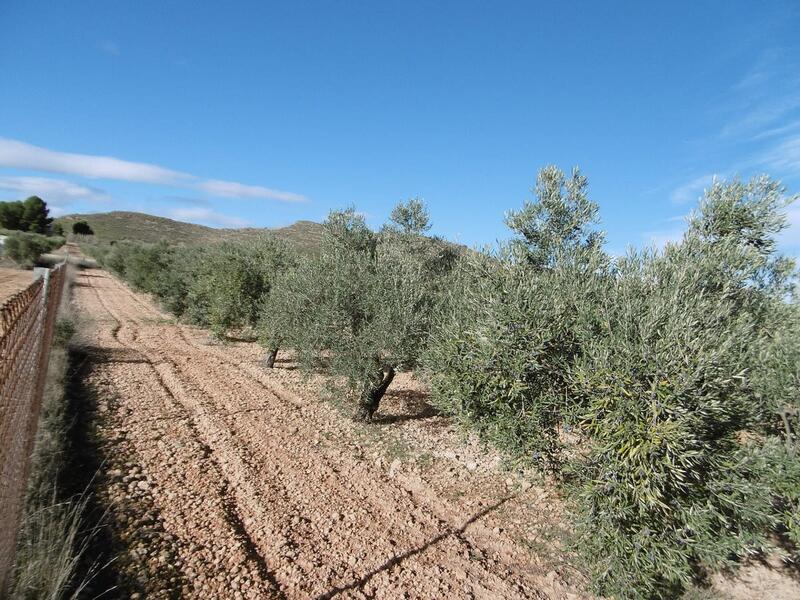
point(27, 323)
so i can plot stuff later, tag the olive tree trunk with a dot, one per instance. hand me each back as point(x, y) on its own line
point(269, 359)
point(374, 389)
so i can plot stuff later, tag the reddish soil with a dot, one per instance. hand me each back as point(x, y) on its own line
point(13, 281)
point(229, 480)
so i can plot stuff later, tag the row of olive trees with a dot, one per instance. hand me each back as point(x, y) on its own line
point(658, 386)
point(221, 286)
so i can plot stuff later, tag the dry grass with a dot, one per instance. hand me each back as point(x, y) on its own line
point(52, 538)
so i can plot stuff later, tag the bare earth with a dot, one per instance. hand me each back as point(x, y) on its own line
point(228, 480)
point(13, 281)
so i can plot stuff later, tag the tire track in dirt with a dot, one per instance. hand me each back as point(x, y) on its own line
point(284, 491)
point(230, 516)
point(300, 493)
point(229, 507)
point(237, 452)
point(476, 535)
point(473, 534)
point(485, 541)
point(431, 507)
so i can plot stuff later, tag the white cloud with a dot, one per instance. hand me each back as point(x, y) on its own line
point(691, 191)
point(57, 211)
point(231, 189)
point(679, 218)
point(21, 155)
point(56, 190)
point(206, 216)
point(777, 131)
point(188, 200)
point(784, 157)
point(761, 116)
point(767, 93)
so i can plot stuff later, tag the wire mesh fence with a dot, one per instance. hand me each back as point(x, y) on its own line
point(27, 323)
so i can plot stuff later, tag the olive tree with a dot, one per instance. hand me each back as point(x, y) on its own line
point(680, 394)
point(364, 305)
point(221, 286)
point(502, 353)
point(25, 248)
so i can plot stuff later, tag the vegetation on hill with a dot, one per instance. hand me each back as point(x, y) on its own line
point(660, 388)
point(139, 227)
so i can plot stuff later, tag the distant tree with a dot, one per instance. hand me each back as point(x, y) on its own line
point(11, 214)
point(231, 281)
point(82, 228)
point(35, 216)
point(57, 229)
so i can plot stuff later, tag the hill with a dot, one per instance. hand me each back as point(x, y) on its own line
point(123, 225)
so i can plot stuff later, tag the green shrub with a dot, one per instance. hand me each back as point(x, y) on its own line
point(502, 354)
point(26, 248)
point(116, 256)
point(231, 281)
point(654, 383)
point(63, 332)
point(683, 374)
point(82, 228)
point(171, 288)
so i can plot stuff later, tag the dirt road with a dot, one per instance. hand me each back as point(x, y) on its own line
point(227, 480)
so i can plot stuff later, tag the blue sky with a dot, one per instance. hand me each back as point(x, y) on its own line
point(264, 113)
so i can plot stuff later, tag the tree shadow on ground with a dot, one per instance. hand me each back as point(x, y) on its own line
point(415, 404)
point(240, 338)
point(398, 559)
point(790, 567)
point(287, 364)
point(114, 355)
point(84, 462)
